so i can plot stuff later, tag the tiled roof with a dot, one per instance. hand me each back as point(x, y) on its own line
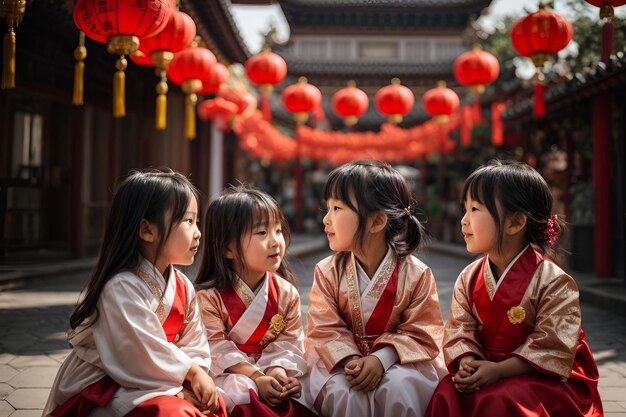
point(351, 69)
point(386, 4)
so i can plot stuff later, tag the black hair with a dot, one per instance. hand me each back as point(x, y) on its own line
point(228, 218)
point(160, 196)
point(507, 187)
point(369, 186)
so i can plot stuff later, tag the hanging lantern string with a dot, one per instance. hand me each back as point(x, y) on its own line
point(80, 53)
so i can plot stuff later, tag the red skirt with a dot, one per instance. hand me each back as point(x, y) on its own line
point(258, 408)
point(529, 395)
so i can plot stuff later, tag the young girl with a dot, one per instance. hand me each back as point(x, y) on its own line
point(249, 306)
point(374, 321)
point(139, 347)
point(513, 341)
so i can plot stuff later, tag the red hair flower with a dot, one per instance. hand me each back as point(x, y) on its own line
point(552, 230)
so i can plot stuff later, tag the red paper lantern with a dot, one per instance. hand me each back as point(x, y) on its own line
point(219, 110)
point(476, 69)
point(120, 25)
point(607, 13)
point(141, 59)
point(266, 70)
point(538, 36)
point(541, 34)
point(187, 69)
point(394, 101)
point(440, 102)
point(246, 102)
point(606, 7)
point(350, 103)
point(177, 34)
point(212, 84)
point(301, 98)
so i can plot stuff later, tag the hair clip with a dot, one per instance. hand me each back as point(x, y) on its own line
point(407, 211)
point(552, 230)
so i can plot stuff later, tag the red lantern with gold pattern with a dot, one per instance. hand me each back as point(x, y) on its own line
point(212, 84)
point(177, 34)
point(394, 101)
point(301, 99)
point(476, 69)
point(538, 36)
point(350, 103)
point(120, 25)
point(187, 69)
point(440, 102)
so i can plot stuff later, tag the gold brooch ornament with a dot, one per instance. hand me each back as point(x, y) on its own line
point(277, 323)
point(516, 314)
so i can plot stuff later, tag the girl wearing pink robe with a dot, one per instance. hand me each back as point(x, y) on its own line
point(374, 322)
point(139, 347)
point(250, 307)
point(513, 342)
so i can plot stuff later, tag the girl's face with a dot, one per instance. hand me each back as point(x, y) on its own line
point(181, 246)
point(478, 228)
point(340, 224)
point(263, 250)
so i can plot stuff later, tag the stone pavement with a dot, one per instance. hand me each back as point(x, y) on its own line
point(35, 308)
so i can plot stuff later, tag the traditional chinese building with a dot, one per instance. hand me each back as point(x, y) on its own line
point(58, 161)
point(334, 41)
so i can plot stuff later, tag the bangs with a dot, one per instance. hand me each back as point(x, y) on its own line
point(340, 187)
point(264, 213)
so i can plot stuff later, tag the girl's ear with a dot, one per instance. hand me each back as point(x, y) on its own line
point(516, 223)
point(230, 252)
point(378, 221)
point(148, 231)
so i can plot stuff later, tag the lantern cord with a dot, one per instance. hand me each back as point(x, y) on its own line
point(8, 59)
point(119, 88)
point(190, 116)
point(80, 53)
point(265, 106)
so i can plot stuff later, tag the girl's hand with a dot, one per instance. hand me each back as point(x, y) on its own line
point(290, 384)
point(485, 373)
point(369, 376)
point(270, 390)
point(203, 388)
point(353, 368)
point(465, 369)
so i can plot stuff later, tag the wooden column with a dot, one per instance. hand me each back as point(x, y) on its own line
point(602, 181)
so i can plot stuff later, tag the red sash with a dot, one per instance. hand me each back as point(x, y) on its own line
point(380, 316)
point(499, 335)
point(102, 391)
point(236, 308)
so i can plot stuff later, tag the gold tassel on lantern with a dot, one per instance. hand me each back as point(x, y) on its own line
point(190, 87)
point(161, 61)
point(121, 45)
point(80, 53)
point(12, 11)
point(8, 59)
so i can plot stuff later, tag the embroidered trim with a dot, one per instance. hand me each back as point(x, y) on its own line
point(381, 283)
point(156, 291)
point(489, 281)
point(242, 292)
point(354, 299)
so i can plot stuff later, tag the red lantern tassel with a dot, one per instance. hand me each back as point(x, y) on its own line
point(467, 122)
point(539, 109)
point(265, 106)
point(496, 123)
point(607, 40)
point(478, 111)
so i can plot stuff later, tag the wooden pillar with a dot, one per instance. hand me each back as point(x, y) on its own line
point(602, 181)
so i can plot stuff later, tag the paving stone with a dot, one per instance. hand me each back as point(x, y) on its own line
point(35, 377)
point(6, 358)
point(5, 390)
point(28, 398)
point(6, 373)
point(6, 409)
point(612, 406)
point(24, 361)
point(27, 413)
